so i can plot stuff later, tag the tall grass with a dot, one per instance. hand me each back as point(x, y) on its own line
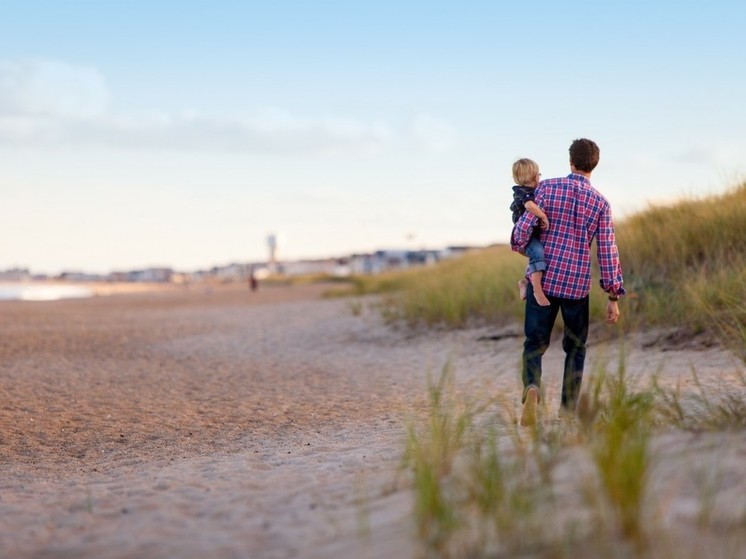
point(431, 455)
point(686, 263)
point(470, 496)
point(719, 300)
point(477, 288)
point(619, 428)
point(480, 287)
point(662, 244)
point(684, 266)
point(696, 411)
point(504, 491)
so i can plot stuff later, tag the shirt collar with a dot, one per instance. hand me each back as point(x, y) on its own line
point(581, 178)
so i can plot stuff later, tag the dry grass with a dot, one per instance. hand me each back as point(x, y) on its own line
point(684, 267)
point(492, 491)
point(485, 487)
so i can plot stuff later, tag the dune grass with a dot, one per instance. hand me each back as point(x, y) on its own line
point(619, 438)
point(497, 490)
point(686, 264)
point(493, 489)
point(478, 287)
point(696, 411)
point(431, 457)
point(684, 267)
point(485, 487)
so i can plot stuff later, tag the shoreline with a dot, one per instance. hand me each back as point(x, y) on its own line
point(53, 290)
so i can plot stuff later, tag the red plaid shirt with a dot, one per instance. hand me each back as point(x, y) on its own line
point(577, 214)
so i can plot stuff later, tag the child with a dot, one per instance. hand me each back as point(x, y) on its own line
point(526, 175)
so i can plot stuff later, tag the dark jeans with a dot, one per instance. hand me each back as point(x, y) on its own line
point(538, 326)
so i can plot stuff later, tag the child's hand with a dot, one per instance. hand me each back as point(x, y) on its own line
point(544, 223)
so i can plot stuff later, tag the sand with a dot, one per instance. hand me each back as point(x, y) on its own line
point(222, 423)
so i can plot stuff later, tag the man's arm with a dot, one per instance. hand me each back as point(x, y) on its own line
point(522, 232)
point(533, 207)
point(608, 258)
point(611, 268)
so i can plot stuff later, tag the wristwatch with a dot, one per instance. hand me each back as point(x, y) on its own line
point(613, 297)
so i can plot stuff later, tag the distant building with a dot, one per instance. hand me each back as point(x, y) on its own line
point(151, 275)
point(232, 272)
point(355, 264)
point(338, 267)
point(15, 274)
point(80, 276)
point(453, 251)
point(394, 259)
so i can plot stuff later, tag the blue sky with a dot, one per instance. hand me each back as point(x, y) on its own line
point(183, 133)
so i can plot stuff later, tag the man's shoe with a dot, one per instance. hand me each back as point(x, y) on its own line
point(528, 417)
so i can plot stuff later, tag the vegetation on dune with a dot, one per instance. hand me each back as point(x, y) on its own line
point(496, 490)
point(479, 287)
point(580, 488)
point(684, 266)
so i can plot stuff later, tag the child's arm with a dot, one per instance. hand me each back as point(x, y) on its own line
point(538, 212)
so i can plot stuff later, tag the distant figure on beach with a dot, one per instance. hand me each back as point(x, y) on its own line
point(526, 176)
point(253, 282)
point(578, 214)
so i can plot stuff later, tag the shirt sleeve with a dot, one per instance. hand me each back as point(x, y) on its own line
point(608, 257)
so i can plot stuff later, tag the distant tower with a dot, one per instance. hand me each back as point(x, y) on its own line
point(272, 246)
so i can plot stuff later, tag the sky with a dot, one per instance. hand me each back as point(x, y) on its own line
point(184, 133)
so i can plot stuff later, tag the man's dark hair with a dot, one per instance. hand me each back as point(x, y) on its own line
point(584, 155)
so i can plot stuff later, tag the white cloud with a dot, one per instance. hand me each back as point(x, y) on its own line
point(52, 89)
point(278, 132)
point(49, 104)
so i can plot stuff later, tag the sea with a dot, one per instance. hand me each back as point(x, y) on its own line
point(30, 291)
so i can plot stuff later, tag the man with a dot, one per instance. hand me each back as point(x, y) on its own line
point(577, 215)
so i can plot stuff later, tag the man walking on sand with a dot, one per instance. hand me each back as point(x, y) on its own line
point(578, 214)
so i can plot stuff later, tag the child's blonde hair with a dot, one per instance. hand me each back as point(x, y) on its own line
point(525, 171)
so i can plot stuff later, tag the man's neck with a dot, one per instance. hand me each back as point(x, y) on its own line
point(579, 172)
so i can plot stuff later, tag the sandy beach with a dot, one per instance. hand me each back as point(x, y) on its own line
point(228, 424)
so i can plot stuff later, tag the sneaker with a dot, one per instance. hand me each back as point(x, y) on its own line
point(528, 417)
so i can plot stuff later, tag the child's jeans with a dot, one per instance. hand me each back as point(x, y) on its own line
point(535, 252)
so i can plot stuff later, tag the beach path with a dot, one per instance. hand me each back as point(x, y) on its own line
point(223, 423)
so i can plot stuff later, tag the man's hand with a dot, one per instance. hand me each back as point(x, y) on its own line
point(544, 223)
point(612, 312)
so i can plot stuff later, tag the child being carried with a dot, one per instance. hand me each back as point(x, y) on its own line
point(526, 175)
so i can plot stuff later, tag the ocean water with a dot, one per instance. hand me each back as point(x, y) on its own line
point(41, 292)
